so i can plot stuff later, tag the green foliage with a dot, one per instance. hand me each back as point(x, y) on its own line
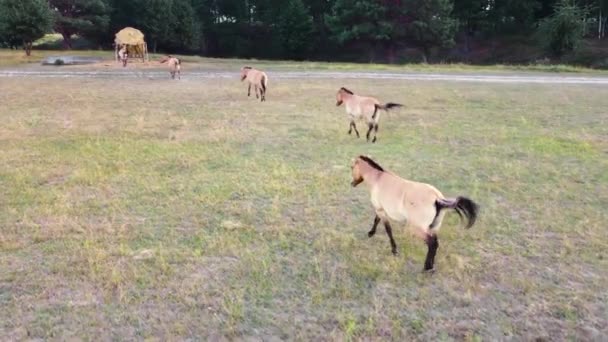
point(87, 18)
point(185, 30)
point(295, 27)
point(564, 30)
point(23, 21)
point(432, 24)
point(358, 20)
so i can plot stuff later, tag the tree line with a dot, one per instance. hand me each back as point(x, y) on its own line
point(373, 30)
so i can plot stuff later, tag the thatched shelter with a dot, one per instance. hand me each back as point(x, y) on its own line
point(135, 42)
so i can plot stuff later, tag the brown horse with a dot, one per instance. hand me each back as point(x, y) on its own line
point(398, 199)
point(362, 107)
point(258, 78)
point(175, 66)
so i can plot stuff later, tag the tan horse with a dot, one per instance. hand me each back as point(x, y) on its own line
point(398, 199)
point(361, 107)
point(258, 78)
point(174, 64)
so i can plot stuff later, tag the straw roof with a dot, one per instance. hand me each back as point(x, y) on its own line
point(129, 36)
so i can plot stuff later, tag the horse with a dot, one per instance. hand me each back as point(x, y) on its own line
point(175, 66)
point(358, 107)
point(420, 204)
point(258, 78)
point(123, 55)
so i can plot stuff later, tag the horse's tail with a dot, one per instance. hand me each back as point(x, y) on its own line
point(464, 207)
point(388, 106)
point(264, 82)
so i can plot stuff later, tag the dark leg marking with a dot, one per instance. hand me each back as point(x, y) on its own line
point(371, 126)
point(375, 133)
point(355, 127)
point(373, 231)
point(249, 90)
point(350, 128)
point(389, 232)
point(433, 244)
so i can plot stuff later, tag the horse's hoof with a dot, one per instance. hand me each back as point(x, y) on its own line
point(429, 270)
point(371, 234)
point(395, 253)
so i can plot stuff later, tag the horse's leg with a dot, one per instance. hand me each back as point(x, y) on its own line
point(433, 244)
point(350, 127)
point(249, 90)
point(389, 232)
point(256, 91)
point(371, 126)
point(375, 132)
point(374, 226)
point(355, 127)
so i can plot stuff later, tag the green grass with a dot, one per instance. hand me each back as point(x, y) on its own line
point(175, 210)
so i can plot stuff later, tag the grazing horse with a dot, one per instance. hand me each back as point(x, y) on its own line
point(123, 55)
point(258, 78)
point(175, 66)
point(398, 199)
point(361, 107)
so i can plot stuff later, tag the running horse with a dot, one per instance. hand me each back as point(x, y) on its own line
point(399, 200)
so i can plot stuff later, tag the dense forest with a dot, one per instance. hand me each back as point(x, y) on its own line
point(358, 30)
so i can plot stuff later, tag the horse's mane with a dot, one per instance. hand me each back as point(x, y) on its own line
point(372, 163)
point(247, 67)
point(347, 91)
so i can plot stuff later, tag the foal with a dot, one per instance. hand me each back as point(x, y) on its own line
point(361, 107)
point(258, 78)
point(398, 199)
point(175, 66)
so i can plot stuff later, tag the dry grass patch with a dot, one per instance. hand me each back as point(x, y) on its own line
point(172, 210)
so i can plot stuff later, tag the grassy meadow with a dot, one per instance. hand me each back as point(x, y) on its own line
point(183, 209)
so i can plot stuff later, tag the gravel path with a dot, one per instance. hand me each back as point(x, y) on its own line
point(461, 77)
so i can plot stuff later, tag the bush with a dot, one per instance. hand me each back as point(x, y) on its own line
point(563, 31)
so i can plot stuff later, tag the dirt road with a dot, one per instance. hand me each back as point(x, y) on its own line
point(453, 77)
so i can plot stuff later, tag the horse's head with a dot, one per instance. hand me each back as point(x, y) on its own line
point(360, 165)
point(164, 59)
point(356, 172)
point(244, 72)
point(342, 93)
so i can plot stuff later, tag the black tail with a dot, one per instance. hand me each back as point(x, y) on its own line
point(464, 207)
point(264, 80)
point(388, 106)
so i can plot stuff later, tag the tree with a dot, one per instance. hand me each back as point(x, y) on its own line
point(359, 21)
point(430, 24)
point(154, 19)
point(24, 21)
point(295, 29)
point(87, 18)
point(472, 16)
point(185, 29)
point(513, 16)
point(563, 31)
